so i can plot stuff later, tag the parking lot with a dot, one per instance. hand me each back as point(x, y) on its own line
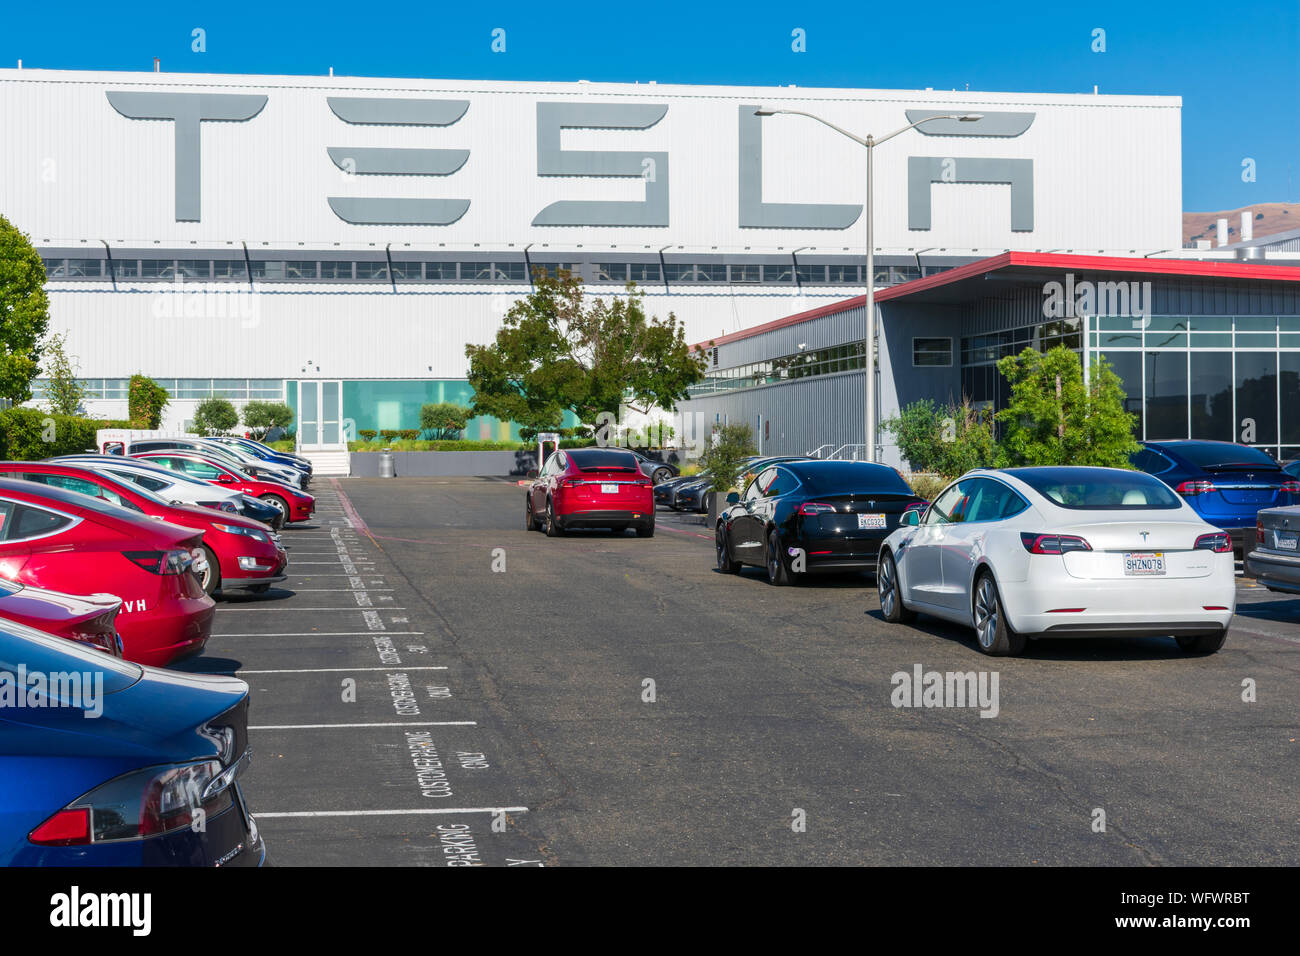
point(435, 685)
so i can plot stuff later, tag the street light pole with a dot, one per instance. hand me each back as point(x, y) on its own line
point(869, 352)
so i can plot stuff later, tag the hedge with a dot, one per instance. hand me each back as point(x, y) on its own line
point(29, 434)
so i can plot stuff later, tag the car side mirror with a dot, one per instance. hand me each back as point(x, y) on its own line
point(911, 518)
point(225, 479)
point(531, 473)
point(733, 497)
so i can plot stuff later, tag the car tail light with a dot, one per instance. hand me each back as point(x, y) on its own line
point(1291, 487)
point(1190, 489)
point(174, 561)
point(816, 508)
point(570, 482)
point(141, 804)
point(916, 506)
point(1053, 543)
point(1217, 541)
point(1259, 530)
point(106, 641)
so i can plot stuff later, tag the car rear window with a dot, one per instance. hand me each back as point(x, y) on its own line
point(844, 477)
point(1212, 454)
point(591, 459)
point(1099, 489)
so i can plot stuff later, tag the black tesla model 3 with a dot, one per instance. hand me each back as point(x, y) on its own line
point(796, 518)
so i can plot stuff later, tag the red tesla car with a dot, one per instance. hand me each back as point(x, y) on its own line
point(88, 620)
point(239, 552)
point(293, 504)
point(65, 541)
point(591, 488)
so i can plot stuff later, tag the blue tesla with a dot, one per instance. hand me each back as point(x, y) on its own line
point(107, 763)
point(1226, 484)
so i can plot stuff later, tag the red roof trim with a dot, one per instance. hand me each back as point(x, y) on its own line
point(1191, 268)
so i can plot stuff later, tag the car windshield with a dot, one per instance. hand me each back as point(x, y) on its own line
point(1098, 489)
point(1221, 454)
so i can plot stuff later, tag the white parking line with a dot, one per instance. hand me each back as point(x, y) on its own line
point(258, 607)
point(340, 590)
point(405, 723)
point(422, 811)
point(345, 670)
point(326, 634)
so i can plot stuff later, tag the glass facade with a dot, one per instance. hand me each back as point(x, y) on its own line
point(839, 358)
point(1222, 377)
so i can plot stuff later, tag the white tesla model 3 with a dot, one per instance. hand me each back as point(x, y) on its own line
point(1062, 552)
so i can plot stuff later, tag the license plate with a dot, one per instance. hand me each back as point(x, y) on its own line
point(1286, 540)
point(1144, 562)
point(866, 521)
point(609, 489)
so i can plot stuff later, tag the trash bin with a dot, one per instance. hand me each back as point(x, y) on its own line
point(386, 467)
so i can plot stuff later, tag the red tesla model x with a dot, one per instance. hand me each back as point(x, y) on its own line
point(591, 488)
point(66, 541)
point(240, 552)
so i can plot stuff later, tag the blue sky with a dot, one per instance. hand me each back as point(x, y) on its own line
point(1236, 65)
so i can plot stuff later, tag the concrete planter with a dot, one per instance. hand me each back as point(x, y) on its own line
point(446, 464)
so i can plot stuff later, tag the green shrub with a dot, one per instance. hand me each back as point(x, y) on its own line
point(284, 444)
point(388, 434)
point(367, 434)
point(928, 485)
point(725, 456)
point(451, 444)
point(409, 434)
point(444, 420)
point(146, 400)
point(261, 417)
point(215, 416)
point(29, 434)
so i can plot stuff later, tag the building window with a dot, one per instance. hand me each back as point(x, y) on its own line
point(644, 272)
point(440, 271)
point(932, 352)
point(332, 269)
point(372, 271)
point(611, 271)
point(229, 269)
point(746, 273)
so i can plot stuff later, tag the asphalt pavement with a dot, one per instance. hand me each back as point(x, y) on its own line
point(435, 685)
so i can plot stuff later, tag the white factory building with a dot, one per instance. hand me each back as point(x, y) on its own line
point(338, 241)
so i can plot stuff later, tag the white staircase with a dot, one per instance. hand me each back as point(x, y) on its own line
point(337, 462)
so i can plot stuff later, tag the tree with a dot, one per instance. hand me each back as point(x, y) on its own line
point(444, 419)
point(261, 417)
point(64, 393)
point(215, 416)
point(1052, 420)
point(949, 439)
point(724, 458)
point(24, 313)
point(555, 352)
point(146, 400)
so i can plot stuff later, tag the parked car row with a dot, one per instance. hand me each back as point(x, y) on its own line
point(1023, 553)
point(108, 569)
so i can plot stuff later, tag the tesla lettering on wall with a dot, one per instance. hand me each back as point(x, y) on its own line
point(188, 110)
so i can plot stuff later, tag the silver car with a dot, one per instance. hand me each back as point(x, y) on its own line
point(1275, 560)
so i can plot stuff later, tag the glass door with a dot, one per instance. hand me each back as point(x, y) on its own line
point(320, 415)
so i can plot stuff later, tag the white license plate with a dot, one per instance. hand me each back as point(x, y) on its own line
point(870, 521)
point(1286, 540)
point(609, 489)
point(1144, 562)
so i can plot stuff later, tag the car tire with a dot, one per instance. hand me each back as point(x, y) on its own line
point(553, 530)
point(280, 505)
point(661, 475)
point(646, 532)
point(890, 592)
point(211, 580)
point(993, 633)
point(618, 528)
point(726, 564)
point(530, 519)
point(1203, 643)
point(778, 575)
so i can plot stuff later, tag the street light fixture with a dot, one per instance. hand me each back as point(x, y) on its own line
point(869, 354)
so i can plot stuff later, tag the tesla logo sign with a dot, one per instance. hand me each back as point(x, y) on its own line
point(1144, 534)
point(189, 110)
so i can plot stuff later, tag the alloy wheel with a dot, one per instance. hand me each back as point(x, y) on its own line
point(986, 612)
